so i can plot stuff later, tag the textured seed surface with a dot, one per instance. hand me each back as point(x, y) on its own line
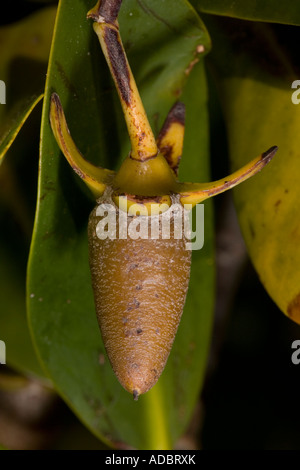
point(140, 288)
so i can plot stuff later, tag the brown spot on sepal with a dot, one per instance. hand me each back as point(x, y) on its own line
point(293, 309)
point(142, 199)
point(269, 154)
point(277, 204)
point(55, 99)
point(176, 115)
point(167, 151)
point(252, 231)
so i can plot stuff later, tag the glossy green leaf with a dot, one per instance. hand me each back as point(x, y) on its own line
point(257, 99)
point(14, 123)
point(162, 44)
point(272, 11)
point(14, 329)
point(24, 49)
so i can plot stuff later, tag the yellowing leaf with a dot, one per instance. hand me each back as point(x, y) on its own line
point(255, 80)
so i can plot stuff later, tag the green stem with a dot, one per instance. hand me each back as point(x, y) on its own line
point(157, 427)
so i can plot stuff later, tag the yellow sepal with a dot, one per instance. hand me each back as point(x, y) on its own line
point(193, 193)
point(94, 177)
point(144, 206)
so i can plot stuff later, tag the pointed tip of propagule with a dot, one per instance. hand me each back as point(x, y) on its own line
point(135, 395)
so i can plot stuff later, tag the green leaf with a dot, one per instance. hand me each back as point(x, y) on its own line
point(256, 10)
point(257, 100)
point(161, 39)
point(24, 49)
point(14, 328)
point(14, 122)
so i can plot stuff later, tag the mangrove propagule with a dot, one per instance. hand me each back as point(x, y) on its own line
point(139, 282)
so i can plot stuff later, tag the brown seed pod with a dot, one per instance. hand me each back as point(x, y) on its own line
point(140, 287)
point(139, 281)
